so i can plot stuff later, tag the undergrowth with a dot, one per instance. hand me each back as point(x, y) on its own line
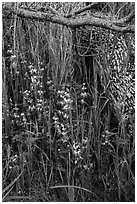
point(58, 144)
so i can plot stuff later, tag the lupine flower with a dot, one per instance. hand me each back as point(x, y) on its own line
point(49, 82)
point(82, 101)
point(9, 51)
point(12, 57)
point(84, 94)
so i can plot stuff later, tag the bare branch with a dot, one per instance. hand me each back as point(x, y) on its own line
point(118, 22)
point(54, 11)
point(78, 22)
point(126, 19)
point(91, 6)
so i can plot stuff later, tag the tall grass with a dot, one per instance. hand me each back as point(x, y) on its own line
point(58, 144)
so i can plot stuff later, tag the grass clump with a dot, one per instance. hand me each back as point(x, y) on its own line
point(67, 135)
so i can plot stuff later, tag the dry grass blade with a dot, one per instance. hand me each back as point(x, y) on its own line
point(5, 196)
point(77, 187)
point(10, 198)
point(12, 183)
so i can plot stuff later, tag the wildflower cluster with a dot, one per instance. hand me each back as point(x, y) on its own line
point(80, 160)
point(26, 95)
point(77, 152)
point(61, 118)
point(13, 161)
point(42, 102)
point(64, 118)
point(84, 93)
point(38, 94)
point(33, 99)
point(15, 118)
point(107, 138)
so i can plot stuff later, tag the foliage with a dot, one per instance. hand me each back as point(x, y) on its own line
point(68, 133)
